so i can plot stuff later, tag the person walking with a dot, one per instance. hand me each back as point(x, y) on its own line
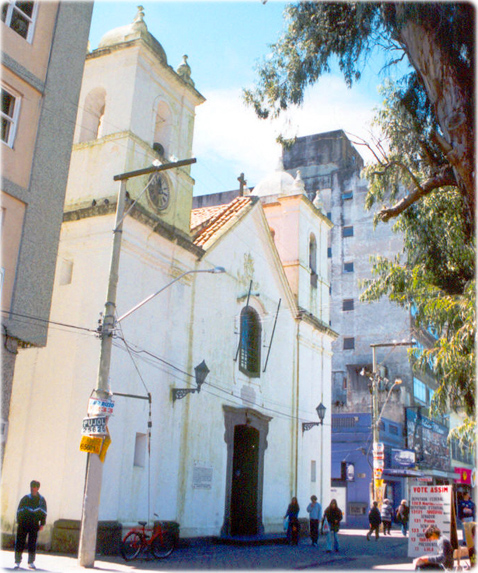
point(402, 516)
point(293, 527)
point(31, 517)
point(443, 559)
point(314, 510)
point(374, 520)
point(333, 516)
point(386, 514)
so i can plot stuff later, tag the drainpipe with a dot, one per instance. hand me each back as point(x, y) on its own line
point(297, 423)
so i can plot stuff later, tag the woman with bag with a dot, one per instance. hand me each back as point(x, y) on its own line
point(332, 517)
point(293, 526)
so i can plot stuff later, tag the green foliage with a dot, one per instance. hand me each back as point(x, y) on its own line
point(437, 278)
point(430, 177)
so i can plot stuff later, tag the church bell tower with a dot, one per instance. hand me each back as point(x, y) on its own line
point(134, 109)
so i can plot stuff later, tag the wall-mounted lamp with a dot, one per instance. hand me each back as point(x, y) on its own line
point(321, 409)
point(200, 371)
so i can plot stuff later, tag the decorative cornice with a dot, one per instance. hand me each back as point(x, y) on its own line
point(303, 314)
point(140, 214)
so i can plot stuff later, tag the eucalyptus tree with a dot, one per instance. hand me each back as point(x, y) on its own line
point(425, 161)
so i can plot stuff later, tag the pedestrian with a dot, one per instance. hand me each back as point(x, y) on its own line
point(386, 514)
point(333, 516)
point(293, 527)
point(374, 520)
point(402, 516)
point(315, 514)
point(31, 517)
point(466, 512)
point(444, 557)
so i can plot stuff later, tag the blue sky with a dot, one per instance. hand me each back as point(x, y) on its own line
point(224, 41)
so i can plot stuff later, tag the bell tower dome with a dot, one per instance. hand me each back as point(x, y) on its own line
point(134, 109)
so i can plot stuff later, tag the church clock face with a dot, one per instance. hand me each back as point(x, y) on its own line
point(158, 191)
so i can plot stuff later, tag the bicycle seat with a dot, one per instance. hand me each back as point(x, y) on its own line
point(142, 522)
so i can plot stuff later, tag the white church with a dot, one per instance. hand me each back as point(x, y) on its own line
point(222, 461)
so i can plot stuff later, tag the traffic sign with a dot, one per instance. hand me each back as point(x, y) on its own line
point(97, 407)
point(90, 445)
point(96, 426)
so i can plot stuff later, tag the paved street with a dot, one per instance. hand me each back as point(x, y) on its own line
point(388, 554)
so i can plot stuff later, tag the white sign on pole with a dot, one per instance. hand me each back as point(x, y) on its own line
point(97, 407)
point(429, 505)
point(94, 426)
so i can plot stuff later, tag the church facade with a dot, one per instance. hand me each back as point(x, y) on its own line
point(223, 457)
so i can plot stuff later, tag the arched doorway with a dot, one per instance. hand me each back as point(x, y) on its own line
point(245, 467)
point(245, 436)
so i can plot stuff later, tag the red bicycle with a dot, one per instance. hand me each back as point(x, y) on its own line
point(157, 540)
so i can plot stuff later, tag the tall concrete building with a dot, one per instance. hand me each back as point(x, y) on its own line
point(330, 168)
point(44, 46)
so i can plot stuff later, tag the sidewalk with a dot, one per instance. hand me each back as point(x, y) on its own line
point(388, 554)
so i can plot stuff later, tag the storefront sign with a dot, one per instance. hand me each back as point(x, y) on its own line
point(429, 505)
point(403, 458)
point(463, 475)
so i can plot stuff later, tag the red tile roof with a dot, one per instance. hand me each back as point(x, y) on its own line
point(208, 222)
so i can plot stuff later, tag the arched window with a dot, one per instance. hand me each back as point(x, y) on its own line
point(93, 115)
point(162, 126)
point(250, 355)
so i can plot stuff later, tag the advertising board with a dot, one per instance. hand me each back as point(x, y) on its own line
point(429, 505)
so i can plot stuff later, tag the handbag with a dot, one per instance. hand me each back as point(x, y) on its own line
point(326, 527)
point(286, 523)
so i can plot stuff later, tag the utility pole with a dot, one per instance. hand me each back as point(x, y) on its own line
point(378, 448)
point(94, 471)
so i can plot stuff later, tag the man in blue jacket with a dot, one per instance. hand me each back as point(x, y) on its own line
point(31, 517)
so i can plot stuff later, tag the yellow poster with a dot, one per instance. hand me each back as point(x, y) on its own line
point(90, 445)
point(104, 448)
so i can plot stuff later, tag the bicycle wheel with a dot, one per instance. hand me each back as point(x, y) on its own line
point(131, 545)
point(162, 545)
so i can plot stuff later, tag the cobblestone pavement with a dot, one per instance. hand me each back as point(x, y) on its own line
point(389, 554)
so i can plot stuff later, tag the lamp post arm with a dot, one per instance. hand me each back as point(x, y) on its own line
point(151, 296)
point(386, 400)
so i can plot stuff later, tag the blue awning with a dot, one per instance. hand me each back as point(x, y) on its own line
point(402, 473)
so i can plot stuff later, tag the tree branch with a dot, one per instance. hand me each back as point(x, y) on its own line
point(435, 182)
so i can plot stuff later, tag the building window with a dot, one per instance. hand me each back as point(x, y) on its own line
point(329, 252)
point(349, 343)
point(348, 304)
point(20, 17)
point(66, 272)
point(348, 267)
point(393, 429)
point(347, 195)
point(140, 450)
point(313, 471)
point(419, 390)
point(250, 355)
point(313, 253)
point(313, 260)
point(329, 215)
point(348, 231)
point(10, 113)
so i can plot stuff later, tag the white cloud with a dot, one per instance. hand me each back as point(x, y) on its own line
point(230, 139)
